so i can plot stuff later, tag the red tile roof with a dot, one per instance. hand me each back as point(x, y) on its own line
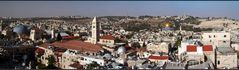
point(45, 45)
point(58, 54)
point(191, 48)
point(36, 29)
point(76, 45)
point(108, 37)
point(129, 48)
point(40, 51)
point(76, 65)
point(158, 57)
point(70, 37)
point(143, 49)
point(207, 48)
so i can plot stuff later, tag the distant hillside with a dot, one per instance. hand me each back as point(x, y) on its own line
point(219, 23)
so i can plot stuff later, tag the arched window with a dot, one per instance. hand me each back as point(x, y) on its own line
point(218, 62)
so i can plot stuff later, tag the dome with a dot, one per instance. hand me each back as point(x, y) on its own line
point(20, 29)
point(121, 50)
point(107, 56)
point(167, 25)
point(163, 44)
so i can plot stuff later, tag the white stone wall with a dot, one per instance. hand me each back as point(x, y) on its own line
point(44, 57)
point(195, 57)
point(235, 46)
point(106, 42)
point(182, 48)
point(161, 47)
point(228, 61)
point(88, 60)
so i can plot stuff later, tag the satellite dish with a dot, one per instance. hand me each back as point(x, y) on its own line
point(24, 57)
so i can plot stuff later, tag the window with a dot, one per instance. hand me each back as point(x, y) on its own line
point(214, 36)
point(225, 35)
point(224, 41)
point(209, 36)
point(218, 62)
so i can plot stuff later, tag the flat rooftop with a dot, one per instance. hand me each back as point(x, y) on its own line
point(174, 65)
point(225, 50)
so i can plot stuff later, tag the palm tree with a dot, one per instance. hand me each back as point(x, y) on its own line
point(58, 38)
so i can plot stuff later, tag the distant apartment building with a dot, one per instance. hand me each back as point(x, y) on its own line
point(217, 39)
point(108, 40)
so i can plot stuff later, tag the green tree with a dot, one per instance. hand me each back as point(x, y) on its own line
point(51, 62)
point(58, 38)
point(136, 45)
point(129, 36)
point(117, 40)
point(93, 65)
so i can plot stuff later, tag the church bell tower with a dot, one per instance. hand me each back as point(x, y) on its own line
point(94, 31)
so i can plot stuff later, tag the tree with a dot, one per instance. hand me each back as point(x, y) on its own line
point(58, 38)
point(117, 40)
point(129, 36)
point(136, 45)
point(178, 43)
point(144, 45)
point(51, 62)
point(1, 36)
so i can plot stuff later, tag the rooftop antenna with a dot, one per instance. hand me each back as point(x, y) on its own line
point(127, 12)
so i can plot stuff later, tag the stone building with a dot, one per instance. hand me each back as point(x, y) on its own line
point(95, 31)
point(158, 47)
point(69, 52)
point(217, 39)
point(226, 58)
point(108, 40)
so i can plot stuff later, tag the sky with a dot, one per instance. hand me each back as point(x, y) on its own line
point(119, 8)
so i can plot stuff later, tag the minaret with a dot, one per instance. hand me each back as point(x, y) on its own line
point(180, 28)
point(33, 35)
point(100, 29)
point(53, 34)
point(94, 31)
point(1, 25)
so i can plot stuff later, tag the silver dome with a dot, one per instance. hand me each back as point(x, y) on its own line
point(20, 29)
point(121, 50)
point(107, 56)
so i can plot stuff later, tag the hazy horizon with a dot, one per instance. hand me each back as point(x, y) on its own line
point(119, 8)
